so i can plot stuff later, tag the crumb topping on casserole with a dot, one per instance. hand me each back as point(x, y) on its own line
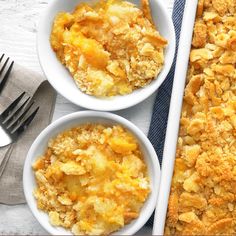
point(110, 48)
point(203, 192)
point(92, 179)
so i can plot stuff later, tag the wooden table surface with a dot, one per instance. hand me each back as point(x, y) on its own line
point(18, 19)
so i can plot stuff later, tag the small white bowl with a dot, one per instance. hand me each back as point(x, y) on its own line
point(72, 120)
point(63, 82)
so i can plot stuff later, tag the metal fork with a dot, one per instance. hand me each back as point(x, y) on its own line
point(6, 75)
point(14, 120)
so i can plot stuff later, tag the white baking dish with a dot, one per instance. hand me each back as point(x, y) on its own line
point(174, 115)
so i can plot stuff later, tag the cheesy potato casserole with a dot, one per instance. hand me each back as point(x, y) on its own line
point(92, 179)
point(110, 48)
point(203, 192)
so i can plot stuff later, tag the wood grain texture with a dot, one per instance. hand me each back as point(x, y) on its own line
point(19, 19)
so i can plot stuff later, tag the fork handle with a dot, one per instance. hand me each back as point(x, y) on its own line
point(6, 159)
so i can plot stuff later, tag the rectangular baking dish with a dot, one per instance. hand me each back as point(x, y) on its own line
point(174, 115)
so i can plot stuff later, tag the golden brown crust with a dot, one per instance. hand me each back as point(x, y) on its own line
point(220, 226)
point(200, 7)
point(204, 180)
point(173, 208)
point(200, 34)
point(192, 201)
point(232, 43)
point(194, 228)
point(145, 6)
point(220, 6)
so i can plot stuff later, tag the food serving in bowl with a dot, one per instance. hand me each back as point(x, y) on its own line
point(91, 179)
point(110, 48)
point(92, 174)
point(120, 95)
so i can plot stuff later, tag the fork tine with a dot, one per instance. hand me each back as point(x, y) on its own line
point(25, 124)
point(13, 116)
point(21, 117)
point(2, 57)
point(4, 65)
point(10, 108)
point(6, 76)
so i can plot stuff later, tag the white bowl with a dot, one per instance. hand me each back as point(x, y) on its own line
point(63, 82)
point(72, 120)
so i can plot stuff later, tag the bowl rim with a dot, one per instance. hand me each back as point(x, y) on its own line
point(151, 158)
point(152, 87)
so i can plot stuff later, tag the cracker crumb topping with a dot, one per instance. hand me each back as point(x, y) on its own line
point(110, 48)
